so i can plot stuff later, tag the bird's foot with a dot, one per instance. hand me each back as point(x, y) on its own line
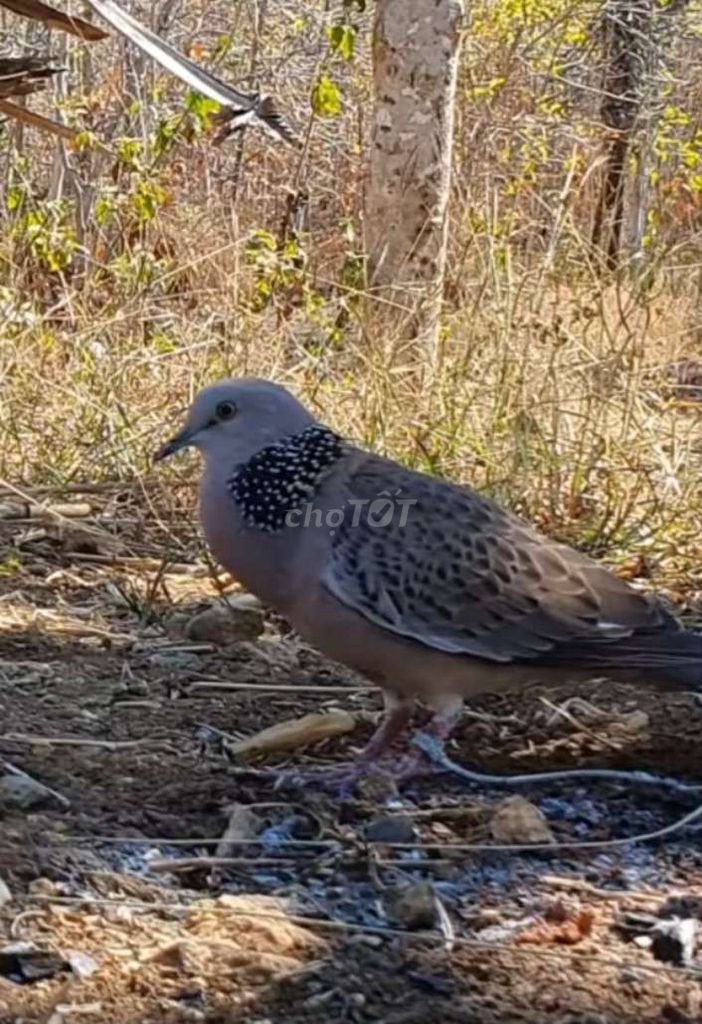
point(340, 780)
point(427, 758)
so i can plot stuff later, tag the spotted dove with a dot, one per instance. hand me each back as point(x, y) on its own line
point(428, 588)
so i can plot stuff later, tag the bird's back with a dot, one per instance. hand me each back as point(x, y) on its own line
point(449, 569)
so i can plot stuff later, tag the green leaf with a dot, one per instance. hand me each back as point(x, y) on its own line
point(326, 98)
point(201, 107)
point(15, 197)
point(343, 41)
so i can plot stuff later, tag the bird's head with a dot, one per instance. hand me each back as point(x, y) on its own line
point(234, 419)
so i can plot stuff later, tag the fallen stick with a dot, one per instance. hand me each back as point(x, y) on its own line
point(14, 770)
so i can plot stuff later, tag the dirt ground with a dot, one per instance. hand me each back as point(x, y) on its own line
point(103, 701)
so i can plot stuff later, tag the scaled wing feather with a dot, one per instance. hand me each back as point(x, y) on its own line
point(464, 576)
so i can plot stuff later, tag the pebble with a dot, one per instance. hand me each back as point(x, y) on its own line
point(516, 820)
point(397, 828)
point(374, 941)
point(82, 964)
point(378, 788)
point(413, 906)
point(244, 602)
point(175, 661)
point(224, 626)
point(18, 792)
point(674, 940)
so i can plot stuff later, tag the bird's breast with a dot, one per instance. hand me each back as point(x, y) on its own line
point(267, 564)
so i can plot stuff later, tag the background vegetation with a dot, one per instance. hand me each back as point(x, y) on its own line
point(143, 262)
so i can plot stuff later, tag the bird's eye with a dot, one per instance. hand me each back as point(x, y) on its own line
point(225, 411)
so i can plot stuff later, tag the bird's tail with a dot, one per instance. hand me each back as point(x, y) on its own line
point(672, 657)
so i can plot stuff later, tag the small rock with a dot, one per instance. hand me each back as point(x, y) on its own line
point(82, 964)
point(373, 941)
point(413, 906)
point(138, 687)
point(377, 788)
point(674, 940)
point(186, 1013)
point(23, 965)
point(19, 792)
point(226, 625)
point(516, 820)
point(81, 542)
point(5, 894)
point(243, 602)
point(175, 661)
point(391, 829)
point(243, 823)
point(682, 905)
point(71, 1011)
point(502, 933)
point(44, 887)
point(275, 653)
point(174, 624)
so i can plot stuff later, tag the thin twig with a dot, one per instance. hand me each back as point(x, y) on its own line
point(136, 562)
point(437, 756)
point(200, 863)
point(76, 741)
point(165, 841)
point(581, 886)
point(32, 492)
point(569, 717)
point(216, 685)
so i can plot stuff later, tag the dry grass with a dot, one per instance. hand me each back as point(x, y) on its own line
point(552, 389)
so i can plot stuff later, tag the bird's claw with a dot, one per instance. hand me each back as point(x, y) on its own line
point(338, 780)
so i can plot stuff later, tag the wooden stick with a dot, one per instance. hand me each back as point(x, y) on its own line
point(20, 773)
point(76, 741)
point(215, 684)
point(36, 120)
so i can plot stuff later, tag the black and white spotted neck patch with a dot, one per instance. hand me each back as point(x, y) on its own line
point(281, 477)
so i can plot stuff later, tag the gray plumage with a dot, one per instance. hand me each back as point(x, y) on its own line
point(428, 588)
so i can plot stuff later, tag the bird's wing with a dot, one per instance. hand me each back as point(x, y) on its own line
point(451, 570)
point(169, 58)
point(55, 19)
point(239, 107)
point(267, 115)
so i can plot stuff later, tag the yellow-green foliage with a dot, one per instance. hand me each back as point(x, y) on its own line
point(158, 262)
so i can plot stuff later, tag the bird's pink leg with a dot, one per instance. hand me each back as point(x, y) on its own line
point(447, 711)
point(396, 718)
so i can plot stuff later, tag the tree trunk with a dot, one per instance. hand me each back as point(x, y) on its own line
point(415, 59)
point(629, 47)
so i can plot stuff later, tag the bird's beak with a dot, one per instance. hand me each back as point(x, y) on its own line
point(176, 444)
